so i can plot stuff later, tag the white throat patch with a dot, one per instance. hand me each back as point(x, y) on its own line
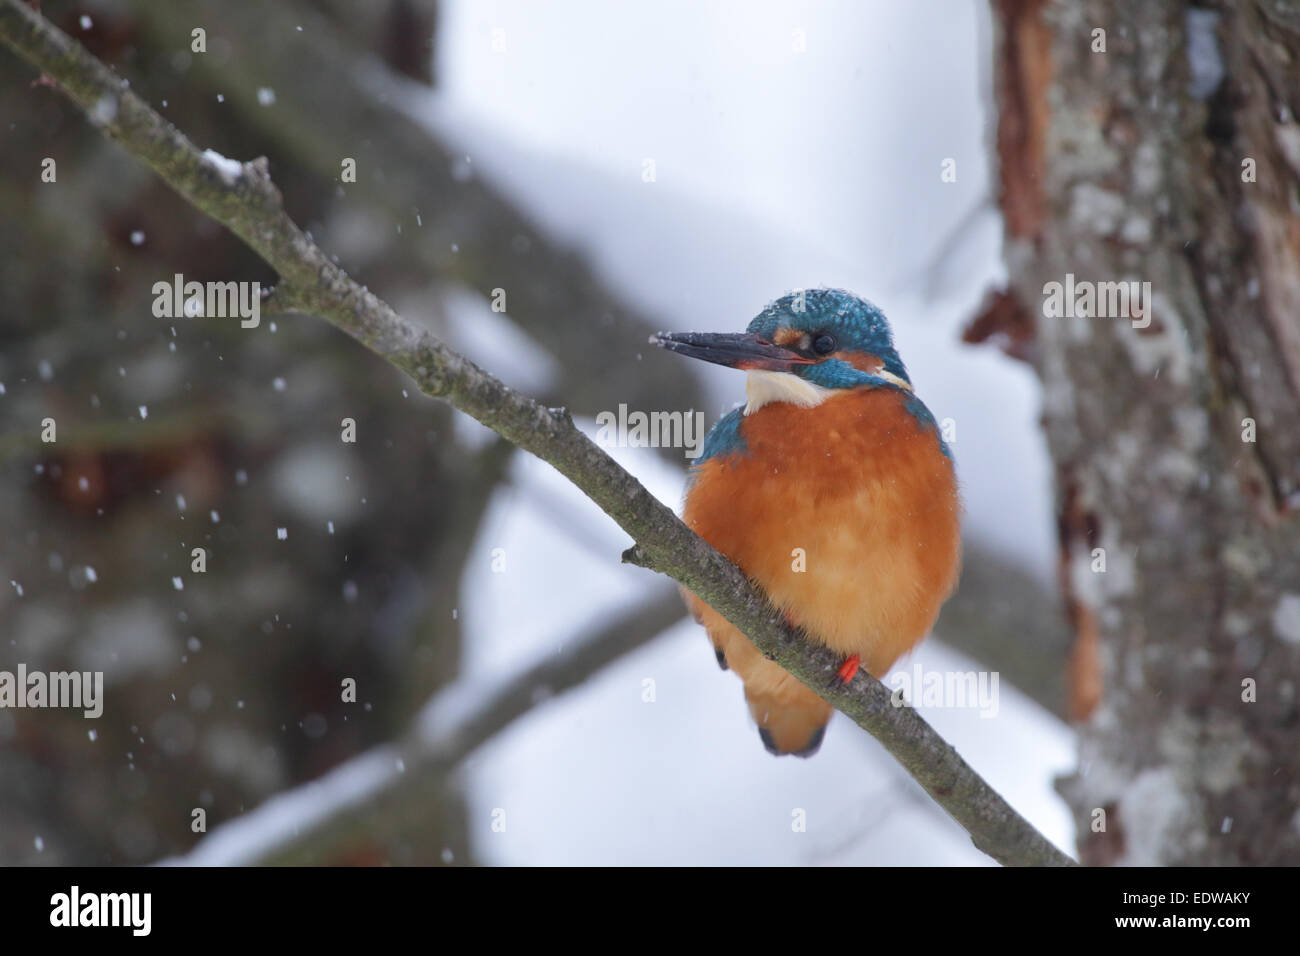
point(763, 386)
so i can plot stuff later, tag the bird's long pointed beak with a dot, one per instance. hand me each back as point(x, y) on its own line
point(735, 350)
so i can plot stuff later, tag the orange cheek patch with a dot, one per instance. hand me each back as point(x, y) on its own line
point(862, 361)
point(786, 336)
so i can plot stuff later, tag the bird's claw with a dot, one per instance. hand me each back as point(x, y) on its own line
point(848, 670)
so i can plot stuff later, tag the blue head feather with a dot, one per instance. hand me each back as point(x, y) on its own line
point(854, 323)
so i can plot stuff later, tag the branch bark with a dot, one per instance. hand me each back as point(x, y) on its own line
point(1153, 146)
point(554, 296)
point(246, 201)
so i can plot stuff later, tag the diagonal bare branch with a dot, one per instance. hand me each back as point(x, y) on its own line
point(243, 198)
point(382, 793)
point(554, 295)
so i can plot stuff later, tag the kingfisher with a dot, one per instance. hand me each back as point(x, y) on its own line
point(832, 489)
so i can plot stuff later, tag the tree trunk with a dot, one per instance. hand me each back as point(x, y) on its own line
point(1165, 150)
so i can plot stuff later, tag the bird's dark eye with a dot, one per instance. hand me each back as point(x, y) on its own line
point(823, 343)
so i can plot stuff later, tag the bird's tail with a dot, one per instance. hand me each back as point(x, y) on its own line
point(791, 719)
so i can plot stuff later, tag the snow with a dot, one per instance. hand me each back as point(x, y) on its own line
point(1204, 60)
point(1156, 814)
point(309, 480)
point(1286, 618)
point(105, 110)
point(491, 340)
point(127, 640)
point(285, 814)
point(229, 169)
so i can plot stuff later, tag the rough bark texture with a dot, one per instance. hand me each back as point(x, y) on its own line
point(1129, 164)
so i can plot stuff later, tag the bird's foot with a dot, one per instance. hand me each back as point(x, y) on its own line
point(846, 672)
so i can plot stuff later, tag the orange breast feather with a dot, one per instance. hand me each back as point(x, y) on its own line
point(847, 514)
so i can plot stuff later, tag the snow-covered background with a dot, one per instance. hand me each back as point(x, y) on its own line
point(794, 145)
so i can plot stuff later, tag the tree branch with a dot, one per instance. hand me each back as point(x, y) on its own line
point(244, 199)
point(376, 794)
point(554, 296)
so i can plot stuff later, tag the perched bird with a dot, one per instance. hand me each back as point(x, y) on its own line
point(832, 489)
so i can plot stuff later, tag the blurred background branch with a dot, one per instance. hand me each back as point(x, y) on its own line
point(467, 231)
point(365, 808)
